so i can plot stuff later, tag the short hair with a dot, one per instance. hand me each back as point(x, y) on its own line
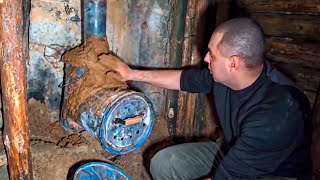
point(243, 37)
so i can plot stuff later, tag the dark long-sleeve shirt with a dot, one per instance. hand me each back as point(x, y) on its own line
point(266, 126)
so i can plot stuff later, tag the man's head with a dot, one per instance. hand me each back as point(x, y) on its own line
point(235, 46)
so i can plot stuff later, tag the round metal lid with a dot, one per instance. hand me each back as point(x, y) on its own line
point(99, 171)
point(127, 123)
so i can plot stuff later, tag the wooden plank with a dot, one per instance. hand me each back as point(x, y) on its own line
point(290, 51)
point(13, 80)
point(189, 120)
point(176, 27)
point(185, 100)
point(283, 25)
point(203, 28)
point(306, 78)
point(281, 6)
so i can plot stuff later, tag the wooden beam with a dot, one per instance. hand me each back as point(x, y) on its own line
point(209, 15)
point(287, 50)
point(176, 27)
point(293, 26)
point(186, 101)
point(281, 6)
point(13, 81)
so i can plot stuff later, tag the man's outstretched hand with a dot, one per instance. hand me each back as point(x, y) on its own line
point(116, 64)
point(169, 79)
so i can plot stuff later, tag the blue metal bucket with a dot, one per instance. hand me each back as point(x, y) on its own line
point(99, 171)
point(121, 120)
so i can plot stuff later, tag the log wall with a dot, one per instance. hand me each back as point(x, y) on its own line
point(292, 30)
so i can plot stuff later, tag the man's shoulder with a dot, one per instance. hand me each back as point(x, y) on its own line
point(283, 95)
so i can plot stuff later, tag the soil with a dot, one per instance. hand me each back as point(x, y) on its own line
point(56, 153)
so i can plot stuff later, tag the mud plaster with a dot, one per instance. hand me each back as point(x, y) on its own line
point(99, 74)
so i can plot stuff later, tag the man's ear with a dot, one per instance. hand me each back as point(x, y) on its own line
point(234, 62)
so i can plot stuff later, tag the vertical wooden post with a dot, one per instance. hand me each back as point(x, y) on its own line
point(13, 81)
point(177, 27)
point(186, 101)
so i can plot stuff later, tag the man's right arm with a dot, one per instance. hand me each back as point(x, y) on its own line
point(169, 79)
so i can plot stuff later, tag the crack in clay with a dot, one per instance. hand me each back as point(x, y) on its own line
point(99, 74)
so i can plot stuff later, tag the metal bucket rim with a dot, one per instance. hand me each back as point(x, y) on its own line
point(106, 146)
point(106, 165)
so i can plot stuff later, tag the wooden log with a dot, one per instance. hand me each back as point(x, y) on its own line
point(186, 102)
point(283, 25)
point(287, 50)
point(188, 129)
point(176, 27)
point(281, 6)
point(206, 119)
point(13, 81)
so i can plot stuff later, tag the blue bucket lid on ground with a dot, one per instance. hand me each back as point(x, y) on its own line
point(99, 171)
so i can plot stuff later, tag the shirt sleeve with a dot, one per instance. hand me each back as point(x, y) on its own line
point(196, 81)
point(269, 134)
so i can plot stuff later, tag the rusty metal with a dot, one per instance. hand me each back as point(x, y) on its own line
point(13, 81)
point(140, 24)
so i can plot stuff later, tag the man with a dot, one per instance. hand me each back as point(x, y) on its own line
point(263, 115)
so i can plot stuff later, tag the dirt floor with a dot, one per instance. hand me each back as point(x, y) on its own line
point(56, 154)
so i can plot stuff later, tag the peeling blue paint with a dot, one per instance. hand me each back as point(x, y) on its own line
point(90, 122)
point(54, 28)
point(48, 33)
point(43, 81)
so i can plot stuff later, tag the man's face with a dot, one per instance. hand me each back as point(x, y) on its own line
point(217, 64)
